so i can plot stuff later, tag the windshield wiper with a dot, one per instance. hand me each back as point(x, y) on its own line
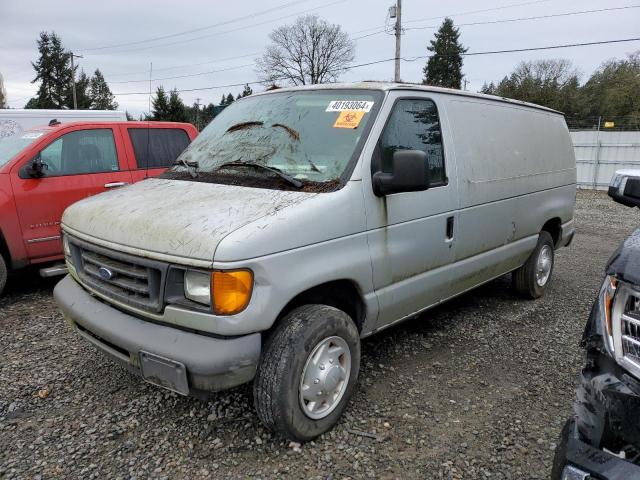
point(277, 171)
point(192, 167)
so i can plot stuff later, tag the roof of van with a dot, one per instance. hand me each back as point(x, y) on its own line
point(386, 86)
point(130, 123)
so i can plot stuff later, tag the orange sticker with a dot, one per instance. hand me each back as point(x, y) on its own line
point(348, 119)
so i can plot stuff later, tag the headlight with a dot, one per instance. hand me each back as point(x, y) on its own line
point(607, 297)
point(231, 290)
point(197, 286)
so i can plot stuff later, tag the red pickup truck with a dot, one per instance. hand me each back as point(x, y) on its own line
point(44, 170)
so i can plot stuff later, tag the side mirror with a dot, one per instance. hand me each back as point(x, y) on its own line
point(409, 173)
point(35, 169)
point(625, 187)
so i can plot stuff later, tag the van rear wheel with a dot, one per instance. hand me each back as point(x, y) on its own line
point(3, 274)
point(532, 278)
point(307, 372)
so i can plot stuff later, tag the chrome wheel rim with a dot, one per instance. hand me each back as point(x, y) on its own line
point(543, 265)
point(325, 377)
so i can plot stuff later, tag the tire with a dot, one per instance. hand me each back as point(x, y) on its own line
point(278, 388)
point(3, 274)
point(526, 280)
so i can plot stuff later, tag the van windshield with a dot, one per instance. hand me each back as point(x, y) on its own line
point(11, 146)
point(310, 136)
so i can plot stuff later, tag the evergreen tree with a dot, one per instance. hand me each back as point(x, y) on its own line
point(160, 105)
point(444, 67)
point(3, 93)
point(83, 93)
point(223, 100)
point(53, 71)
point(245, 92)
point(229, 99)
point(101, 96)
point(177, 109)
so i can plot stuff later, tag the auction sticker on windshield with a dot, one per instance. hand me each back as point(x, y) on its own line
point(348, 119)
point(353, 105)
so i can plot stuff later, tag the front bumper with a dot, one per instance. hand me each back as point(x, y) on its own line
point(577, 460)
point(212, 364)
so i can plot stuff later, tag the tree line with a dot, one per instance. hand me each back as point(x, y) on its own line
point(311, 51)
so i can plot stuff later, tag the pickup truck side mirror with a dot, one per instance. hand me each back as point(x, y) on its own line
point(409, 173)
point(625, 187)
point(34, 169)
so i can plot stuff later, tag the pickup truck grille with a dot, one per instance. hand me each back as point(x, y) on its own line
point(626, 328)
point(134, 281)
point(630, 328)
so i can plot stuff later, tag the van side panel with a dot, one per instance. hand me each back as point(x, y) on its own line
point(516, 171)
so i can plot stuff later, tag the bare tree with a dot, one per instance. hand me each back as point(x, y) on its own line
point(308, 52)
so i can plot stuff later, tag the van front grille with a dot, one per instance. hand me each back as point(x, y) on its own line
point(127, 279)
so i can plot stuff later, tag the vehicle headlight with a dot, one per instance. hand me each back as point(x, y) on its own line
point(228, 291)
point(197, 286)
point(607, 297)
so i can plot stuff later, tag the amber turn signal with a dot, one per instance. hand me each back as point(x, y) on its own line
point(231, 291)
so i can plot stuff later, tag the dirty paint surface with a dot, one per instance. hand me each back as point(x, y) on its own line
point(186, 219)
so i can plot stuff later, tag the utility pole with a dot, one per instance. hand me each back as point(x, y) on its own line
point(198, 113)
point(465, 84)
point(73, 79)
point(398, 34)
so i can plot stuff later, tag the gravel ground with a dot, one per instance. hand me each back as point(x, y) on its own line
point(478, 388)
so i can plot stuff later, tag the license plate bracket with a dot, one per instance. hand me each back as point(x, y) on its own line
point(164, 372)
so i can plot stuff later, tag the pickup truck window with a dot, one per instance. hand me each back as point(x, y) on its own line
point(308, 135)
point(414, 125)
point(157, 147)
point(82, 151)
point(11, 146)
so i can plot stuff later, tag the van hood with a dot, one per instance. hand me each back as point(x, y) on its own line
point(175, 217)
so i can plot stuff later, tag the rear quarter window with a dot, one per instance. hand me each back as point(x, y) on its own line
point(157, 147)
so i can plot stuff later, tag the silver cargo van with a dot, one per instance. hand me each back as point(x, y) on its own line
point(302, 220)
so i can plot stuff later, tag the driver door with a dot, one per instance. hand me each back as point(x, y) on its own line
point(79, 163)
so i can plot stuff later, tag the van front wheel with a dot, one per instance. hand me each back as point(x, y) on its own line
point(307, 373)
point(532, 278)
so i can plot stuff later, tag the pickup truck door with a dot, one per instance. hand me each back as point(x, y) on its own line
point(412, 235)
point(152, 150)
point(79, 163)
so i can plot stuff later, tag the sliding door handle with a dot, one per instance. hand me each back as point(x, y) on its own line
point(449, 231)
point(115, 184)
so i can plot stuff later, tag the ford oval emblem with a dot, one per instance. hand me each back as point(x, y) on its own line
point(105, 273)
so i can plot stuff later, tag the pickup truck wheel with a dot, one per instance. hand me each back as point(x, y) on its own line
point(3, 274)
point(532, 278)
point(307, 372)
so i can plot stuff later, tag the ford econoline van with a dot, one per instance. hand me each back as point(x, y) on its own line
point(302, 220)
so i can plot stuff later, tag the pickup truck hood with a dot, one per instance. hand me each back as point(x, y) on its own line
point(625, 261)
point(180, 218)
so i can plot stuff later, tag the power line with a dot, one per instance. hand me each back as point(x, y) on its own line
point(188, 40)
point(539, 17)
point(460, 14)
point(186, 75)
point(489, 22)
point(509, 20)
point(413, 59)
point(185, 66)
point(194, 30)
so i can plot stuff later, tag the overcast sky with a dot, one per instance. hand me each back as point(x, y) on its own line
point(231, 34)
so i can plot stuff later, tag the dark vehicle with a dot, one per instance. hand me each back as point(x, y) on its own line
point(603, 440)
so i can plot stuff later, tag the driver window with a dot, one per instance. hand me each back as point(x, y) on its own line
point(83, 151)
point(414, 125)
